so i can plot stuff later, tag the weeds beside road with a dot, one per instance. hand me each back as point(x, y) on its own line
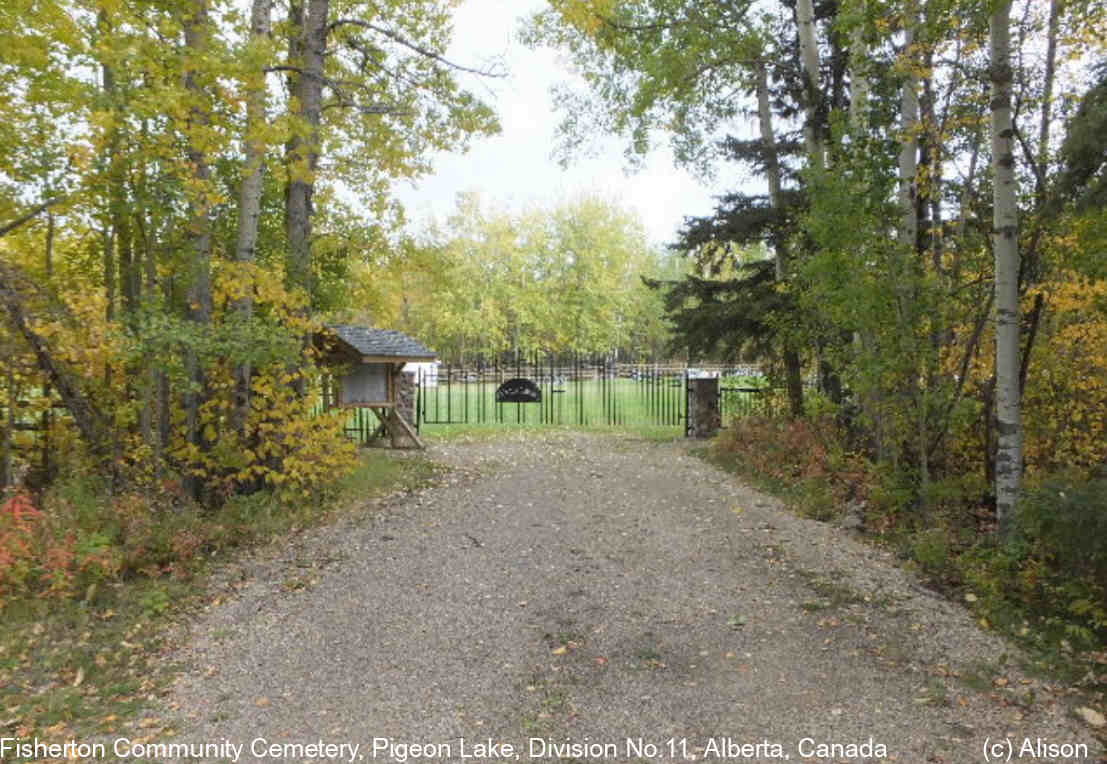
point(87, 661)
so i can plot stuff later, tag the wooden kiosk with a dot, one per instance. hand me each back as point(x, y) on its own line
point(372, 362)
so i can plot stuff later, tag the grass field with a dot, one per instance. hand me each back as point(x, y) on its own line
point(480, 432)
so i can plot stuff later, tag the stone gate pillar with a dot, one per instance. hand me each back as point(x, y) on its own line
point(704, 416)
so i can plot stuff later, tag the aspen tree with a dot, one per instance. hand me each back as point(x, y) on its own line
point(1006, 251)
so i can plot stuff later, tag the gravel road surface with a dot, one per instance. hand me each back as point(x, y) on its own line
point(577, 597)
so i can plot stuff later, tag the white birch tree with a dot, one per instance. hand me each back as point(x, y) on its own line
point(1006, 250)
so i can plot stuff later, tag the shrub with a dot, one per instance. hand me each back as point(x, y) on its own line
point(1065, 522)
point(932, 550)
point(802, 457)
point(1054, 572)
point(1062, 525)
point(1055, 569)
point(83, 535)
point(19, 519)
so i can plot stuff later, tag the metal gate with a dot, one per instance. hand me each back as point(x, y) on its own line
point(576, 391)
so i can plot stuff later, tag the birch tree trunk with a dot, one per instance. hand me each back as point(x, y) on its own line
point(909, 220)
point(909, 140)
point(249, 198)
point(809, 57)
point(1055, 9)
point(1005, 246)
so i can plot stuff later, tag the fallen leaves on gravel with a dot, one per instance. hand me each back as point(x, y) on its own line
point(1091, 716)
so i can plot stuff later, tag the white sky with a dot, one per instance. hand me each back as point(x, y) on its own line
point(515, 168)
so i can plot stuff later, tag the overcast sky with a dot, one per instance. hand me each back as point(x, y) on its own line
point(515, 168)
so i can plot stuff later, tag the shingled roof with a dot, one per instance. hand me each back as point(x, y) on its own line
point(383, 343)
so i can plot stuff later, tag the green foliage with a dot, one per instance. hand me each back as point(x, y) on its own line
point(155, 602)
point(932, 550)
point(734, 318)
point(557, 279)
point(903, 326)
point(1064, 523)
point(648, 62)
point(146, 310)
point(1083, 153)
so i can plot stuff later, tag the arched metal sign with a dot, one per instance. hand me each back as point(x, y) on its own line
point(519, 390)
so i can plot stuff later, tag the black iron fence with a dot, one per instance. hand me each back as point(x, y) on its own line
point(577, 391)
point(582, 391)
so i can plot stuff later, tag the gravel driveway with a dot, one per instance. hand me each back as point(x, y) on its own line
point(577, 597)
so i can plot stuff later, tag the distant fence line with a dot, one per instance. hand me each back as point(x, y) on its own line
point(584, 391)
point(587, 366)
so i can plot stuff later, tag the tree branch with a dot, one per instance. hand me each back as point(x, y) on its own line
point(27, 217)
point(1031, 161)
point(89, 419)
point(1035, 320)
point(376, 108)
point(970, 351)
point(412, 46)
point(283, 68)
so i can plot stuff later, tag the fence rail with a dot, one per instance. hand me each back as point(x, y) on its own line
point(577, 391)
point(582, 391)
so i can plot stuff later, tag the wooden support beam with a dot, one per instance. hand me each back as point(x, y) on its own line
point(410, 432)
point(382, 428)
point(396, 426)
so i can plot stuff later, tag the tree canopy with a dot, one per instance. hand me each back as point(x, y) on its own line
point(178, 196)
point(558, 279)
point(872, 137)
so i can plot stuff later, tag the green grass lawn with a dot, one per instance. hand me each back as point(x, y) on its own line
point(475, 432)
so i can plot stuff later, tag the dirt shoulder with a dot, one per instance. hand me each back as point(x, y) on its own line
point(585, 597)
